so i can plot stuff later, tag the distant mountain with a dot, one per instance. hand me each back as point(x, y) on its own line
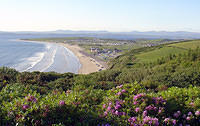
point(78, 32)
point(117, 35)
point(165, 33)
point(61, 32)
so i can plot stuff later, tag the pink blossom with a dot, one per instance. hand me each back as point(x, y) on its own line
point(31, 98)
point(104, 106)
point(123, 91)
point(119, 93)
point(24, 107)
point(160, 109)
point(197, 113)
point(137, 109)
point(120, 86)
point(61, 103)
point(132, 119)
point(151, 107)
point(166, 120)
point(177, 114)
point(105, 113)
point(190, 113)
point(123, 113)
point(144, 113)
point(117, 106)
point(109, 108)
point(174, 121)
point(188, 118)
point(148, 120)
point(192, 103)
point(112, 111)
point(138, 96)
point(116, 112)
point(135, 102)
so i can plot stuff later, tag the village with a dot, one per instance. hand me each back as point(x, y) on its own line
point(105, 53)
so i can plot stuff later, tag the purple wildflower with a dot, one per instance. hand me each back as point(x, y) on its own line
point(104, 106)
point(119, 93)
point(109, 108)
point(123, 113)
point(30, 98)
point(135, 102)
point(120, 86)
point(112, 111)
point(184, 116)
point(61, 103)
point(166, 120)
point(24, 107)
point(177, 114)
point(174, 121)
point(197, 113)
point(123, 91)
point(151, 107)
point(138, 96)
point(188, 118)
point(105, 113)
point(190, 113)
point(117, 106)
point(144, 113)
point(148, 120)
point(132, 119)
point(116, 112)
point(137, 109)
point(192, 104)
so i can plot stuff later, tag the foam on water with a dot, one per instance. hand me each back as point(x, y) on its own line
point(34, 60)
point(52, 59)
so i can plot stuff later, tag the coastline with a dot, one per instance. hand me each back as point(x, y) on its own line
point(88, 64)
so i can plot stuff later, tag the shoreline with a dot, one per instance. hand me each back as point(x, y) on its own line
point(88, 63)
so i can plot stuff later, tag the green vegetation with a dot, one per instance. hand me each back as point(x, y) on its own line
point(153, 55)
point(187, 45)
point(137, 90)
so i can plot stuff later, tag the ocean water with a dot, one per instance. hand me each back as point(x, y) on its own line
point(36, 56)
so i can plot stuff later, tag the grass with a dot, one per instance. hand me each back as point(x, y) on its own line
point(165, 50)
point(187, 45)
point(152, 56)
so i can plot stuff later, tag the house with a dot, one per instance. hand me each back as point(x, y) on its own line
point(94, 50)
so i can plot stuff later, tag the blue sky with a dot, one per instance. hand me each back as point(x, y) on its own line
point(111, 15)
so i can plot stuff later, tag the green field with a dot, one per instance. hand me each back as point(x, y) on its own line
point(155, 54)
point(152, 55)
point(187, 45)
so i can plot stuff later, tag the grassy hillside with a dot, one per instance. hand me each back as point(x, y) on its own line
point(166, 50)
point(147, 86)
point(152, 54)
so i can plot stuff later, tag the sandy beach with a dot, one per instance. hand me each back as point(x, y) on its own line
point(88, 64)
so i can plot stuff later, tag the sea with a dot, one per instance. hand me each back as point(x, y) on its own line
point(36, 56)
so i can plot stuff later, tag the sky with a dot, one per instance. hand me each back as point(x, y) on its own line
point(93, 15)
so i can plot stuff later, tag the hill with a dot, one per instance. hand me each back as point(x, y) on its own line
point(114, 35)
point(157, 85)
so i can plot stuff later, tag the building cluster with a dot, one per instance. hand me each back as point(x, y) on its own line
point(105, 53)
point(150, 45)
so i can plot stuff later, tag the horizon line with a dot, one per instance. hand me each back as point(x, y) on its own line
point(100, 31)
